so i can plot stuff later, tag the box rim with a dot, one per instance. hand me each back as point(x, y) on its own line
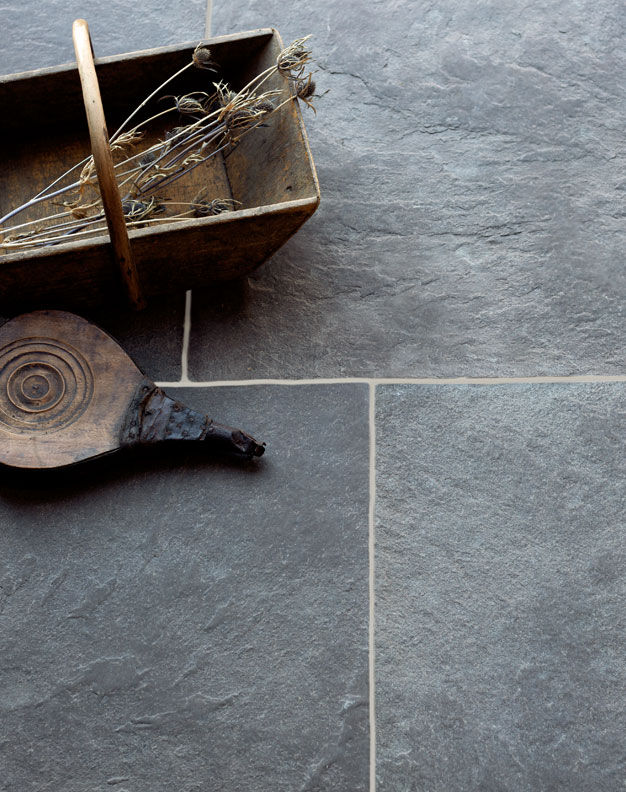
point(135, 54)
point(139, 233)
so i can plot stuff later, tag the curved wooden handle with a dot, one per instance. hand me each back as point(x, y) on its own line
point(104, 161)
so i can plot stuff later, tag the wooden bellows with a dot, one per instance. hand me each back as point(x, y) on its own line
point(69, 392)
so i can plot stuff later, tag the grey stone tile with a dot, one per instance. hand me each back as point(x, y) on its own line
point(40, 34)
point(472, 197)
point(152, 337)
point(173, 622)
point(500, 590)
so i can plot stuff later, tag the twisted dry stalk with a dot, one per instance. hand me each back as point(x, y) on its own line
point(218, 121)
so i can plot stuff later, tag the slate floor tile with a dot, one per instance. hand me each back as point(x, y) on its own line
point(38, 34)
point(471, 217)
point(500, 590)
point(172, 622)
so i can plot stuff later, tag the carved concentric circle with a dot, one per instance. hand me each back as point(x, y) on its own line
point(45, 384)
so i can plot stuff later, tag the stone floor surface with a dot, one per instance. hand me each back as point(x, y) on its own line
point(176, 622)
point(451, 554)
point(500, 588)
point(470, 158)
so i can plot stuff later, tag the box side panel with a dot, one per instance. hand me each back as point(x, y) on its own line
point(191, 254)
point(272, 163)
point(217, 252)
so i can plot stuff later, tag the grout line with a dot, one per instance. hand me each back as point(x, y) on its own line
point(372, 589)
point(207, 19)
point(184, 359)
point(185, 382)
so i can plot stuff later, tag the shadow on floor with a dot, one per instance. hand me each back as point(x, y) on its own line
point(60, 484)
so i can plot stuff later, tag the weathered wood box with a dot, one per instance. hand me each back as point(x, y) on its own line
point(44, 132)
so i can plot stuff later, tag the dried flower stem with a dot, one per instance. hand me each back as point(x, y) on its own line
point(148, 98)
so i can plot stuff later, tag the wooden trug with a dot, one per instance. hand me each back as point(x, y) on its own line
point(44, 132)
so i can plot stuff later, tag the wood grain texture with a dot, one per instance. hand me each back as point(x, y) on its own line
point(86, 382)
point(103, 160)
point(174, 257)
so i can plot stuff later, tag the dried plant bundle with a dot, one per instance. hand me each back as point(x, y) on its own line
point(214, 121)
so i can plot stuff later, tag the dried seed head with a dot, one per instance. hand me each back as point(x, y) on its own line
point(133, 209)
point(203, 207)
point(305, 89)
point(139, 210)
point(240, 118)
point(294, 57)
point(224, 94)
point(78, 212)
point(88, 171)
point(247, 110)
point(188, 105)
point(202, 58)
point(126, 142)
point(266, 107)
point(175, 132)
point(148, 158)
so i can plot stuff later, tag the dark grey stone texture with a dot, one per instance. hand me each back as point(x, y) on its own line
point(500, 588)
point(39, 34)
point(470, 159)
point(152, 337)
point(172, 622)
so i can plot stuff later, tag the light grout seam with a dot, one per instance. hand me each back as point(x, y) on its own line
point(207, 18)
point(371, 584)
point(187, 383)
point(184, 357)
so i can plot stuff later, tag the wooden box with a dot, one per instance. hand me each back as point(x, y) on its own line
point(44, 131)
